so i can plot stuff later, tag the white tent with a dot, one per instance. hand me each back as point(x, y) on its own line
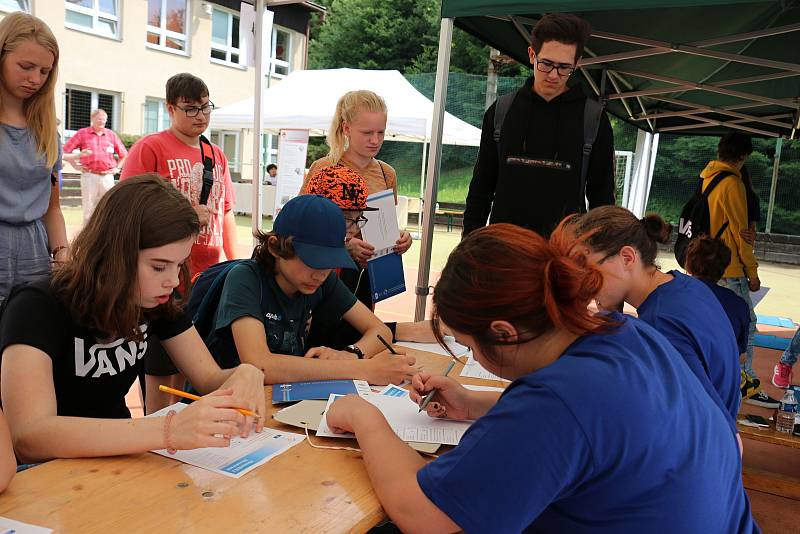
point(306, 100)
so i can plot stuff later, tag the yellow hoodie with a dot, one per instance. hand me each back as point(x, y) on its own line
point(728, 202)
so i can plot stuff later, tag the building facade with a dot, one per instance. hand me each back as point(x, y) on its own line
point(118, 54)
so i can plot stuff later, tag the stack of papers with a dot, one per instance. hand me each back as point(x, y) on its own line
point(242, 456)
point(475, 370)
point(457, 348)
point(407, 422)
point(9, 526)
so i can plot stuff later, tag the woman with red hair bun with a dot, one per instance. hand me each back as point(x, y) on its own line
point(603, 428)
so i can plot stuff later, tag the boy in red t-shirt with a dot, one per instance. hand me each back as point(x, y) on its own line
point(177, 155)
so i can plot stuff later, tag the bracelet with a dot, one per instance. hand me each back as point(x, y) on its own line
point(167, 421)
point(55, 251)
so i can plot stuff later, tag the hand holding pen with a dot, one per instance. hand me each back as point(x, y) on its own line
point(451, 399)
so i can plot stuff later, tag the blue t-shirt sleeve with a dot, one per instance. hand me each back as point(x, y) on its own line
point(526, 453)
point(241, 297)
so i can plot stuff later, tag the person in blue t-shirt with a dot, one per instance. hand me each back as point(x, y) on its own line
point(565, 448)
point(706, 259)
point(683, 309)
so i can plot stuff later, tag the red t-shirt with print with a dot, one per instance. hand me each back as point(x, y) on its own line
point(181, 164)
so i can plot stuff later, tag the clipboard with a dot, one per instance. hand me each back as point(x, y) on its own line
point(308, 413)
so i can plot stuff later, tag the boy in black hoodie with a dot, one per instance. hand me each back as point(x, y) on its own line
point(531, 177)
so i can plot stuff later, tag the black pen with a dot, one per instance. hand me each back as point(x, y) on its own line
point(380, 338)
point(430, 395)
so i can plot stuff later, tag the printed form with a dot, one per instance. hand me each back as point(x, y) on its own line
point(406, 421)
point(243, 455)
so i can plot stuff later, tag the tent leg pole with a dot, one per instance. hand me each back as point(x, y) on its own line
point(434, 165)
point(255, 214)
point(422, 187)
point(775, 167)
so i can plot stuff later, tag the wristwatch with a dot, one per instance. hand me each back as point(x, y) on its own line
point(355, 350)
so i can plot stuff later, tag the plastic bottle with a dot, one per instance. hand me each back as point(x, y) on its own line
point(784, 420)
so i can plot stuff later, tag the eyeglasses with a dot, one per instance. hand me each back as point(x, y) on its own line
point(359, 221)
point(192, 111)
point(563, 69)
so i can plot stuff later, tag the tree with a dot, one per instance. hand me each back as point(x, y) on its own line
point(374, 35)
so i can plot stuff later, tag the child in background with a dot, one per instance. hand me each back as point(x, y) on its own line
point(64, 385)
point(565, 448)
point(355, 138)
point(706, 259)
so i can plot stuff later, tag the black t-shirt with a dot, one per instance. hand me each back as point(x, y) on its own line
point(91, 376)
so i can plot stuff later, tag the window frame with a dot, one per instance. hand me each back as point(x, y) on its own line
point(96, 14)
point(115, 107)
point(162, 115)
point(228, 47)
point(273, 60)
point(234, 165)
point(26, 8)
point(163, 33)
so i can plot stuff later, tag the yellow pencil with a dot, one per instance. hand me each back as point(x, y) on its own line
point(191, 396)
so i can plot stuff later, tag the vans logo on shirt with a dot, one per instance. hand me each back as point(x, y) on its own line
point(108, 358)
point(273, 316)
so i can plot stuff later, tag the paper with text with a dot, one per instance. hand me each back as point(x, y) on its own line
point(243, 455)
point(475, 370)
point(381, 230)
point(406, 421)
point(457, 348)
point(8, 526)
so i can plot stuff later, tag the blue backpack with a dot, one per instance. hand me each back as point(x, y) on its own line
point(206, 292)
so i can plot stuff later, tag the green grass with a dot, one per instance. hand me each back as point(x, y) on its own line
point(453, 184)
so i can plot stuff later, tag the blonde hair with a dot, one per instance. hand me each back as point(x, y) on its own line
point(347, 108)
point(40, 109)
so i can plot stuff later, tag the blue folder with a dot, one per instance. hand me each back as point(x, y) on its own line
point(386, 276)
point(771, 342)
point(771, 320)
point(311, 390)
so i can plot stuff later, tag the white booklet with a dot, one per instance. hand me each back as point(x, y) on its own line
point(243, 455)
point(381, 230)
point(408, 423)
point(475, 370)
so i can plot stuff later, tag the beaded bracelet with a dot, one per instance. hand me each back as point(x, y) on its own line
point(167, 421)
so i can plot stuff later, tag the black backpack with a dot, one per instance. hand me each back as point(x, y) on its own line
point(696, 218)
point(592, 115)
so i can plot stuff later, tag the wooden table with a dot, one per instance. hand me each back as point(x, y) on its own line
point(302, 490)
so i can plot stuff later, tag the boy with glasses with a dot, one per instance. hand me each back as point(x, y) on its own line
point(535, 165)
point(182, 155)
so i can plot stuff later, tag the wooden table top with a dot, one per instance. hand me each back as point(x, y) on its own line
point(302, 490)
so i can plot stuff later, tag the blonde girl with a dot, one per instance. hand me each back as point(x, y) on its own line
point(32, 230)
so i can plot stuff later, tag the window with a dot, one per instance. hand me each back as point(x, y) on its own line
point(15, 5)
point(229, 143)
point(100, 17)
point(79, 103)
point(225, 37)
point(156, 118)
point(281, 53)
point(166, 24)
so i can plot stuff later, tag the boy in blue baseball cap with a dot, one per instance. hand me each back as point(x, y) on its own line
point(292, 272)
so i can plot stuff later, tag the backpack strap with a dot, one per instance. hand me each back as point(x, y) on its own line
point(385, 182)
point(714, 183)
point(502, 105)
point(208, 170)
point(592, 115)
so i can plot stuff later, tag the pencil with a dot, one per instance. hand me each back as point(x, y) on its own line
point(191, 396)
point(429, 396)
point(391, 349)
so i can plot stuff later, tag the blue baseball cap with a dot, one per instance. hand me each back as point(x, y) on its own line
point(318, 229)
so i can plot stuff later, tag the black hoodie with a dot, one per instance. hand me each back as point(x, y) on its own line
point(534, 196)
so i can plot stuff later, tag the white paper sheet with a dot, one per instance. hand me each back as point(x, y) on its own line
point(457, 348)
point(9, 526)
point(243, 455)
point(381, 230)
point(483, 388)
point(407, 422)
point(475, 370)
point(758, 296)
